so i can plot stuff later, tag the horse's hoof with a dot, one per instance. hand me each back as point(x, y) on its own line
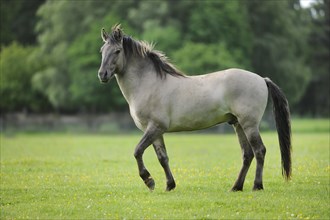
point(258, 187)
point(236, 189)
point(170, 186)
point(150, 183)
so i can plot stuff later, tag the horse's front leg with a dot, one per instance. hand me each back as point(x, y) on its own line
point(151, 134)
point(160, 149)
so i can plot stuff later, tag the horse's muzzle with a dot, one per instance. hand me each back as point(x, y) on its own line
point(105, 76)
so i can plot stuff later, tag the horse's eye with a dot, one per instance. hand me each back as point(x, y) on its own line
point(117, 51)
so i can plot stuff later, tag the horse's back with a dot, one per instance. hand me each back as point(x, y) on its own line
point(205, 100)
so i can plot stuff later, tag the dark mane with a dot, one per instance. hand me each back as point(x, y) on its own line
point(144, 49)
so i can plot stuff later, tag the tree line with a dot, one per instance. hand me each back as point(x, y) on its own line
point(50, 49)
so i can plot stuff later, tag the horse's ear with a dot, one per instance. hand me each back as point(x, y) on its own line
point(117, 33)
point(104, 35)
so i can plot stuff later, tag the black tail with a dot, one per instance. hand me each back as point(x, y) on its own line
point(283, 126)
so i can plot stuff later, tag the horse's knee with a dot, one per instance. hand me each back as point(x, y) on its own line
point(256, 144)
point(261, 151)
point(138, 153)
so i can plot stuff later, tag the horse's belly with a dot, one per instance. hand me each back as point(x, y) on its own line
point(198, 106)
point(197, 121)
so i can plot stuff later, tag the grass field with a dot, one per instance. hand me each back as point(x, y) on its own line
point(72, 176)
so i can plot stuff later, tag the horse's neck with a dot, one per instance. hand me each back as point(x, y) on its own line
point(137, 80)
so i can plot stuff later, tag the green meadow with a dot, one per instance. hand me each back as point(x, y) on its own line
point(92, 176)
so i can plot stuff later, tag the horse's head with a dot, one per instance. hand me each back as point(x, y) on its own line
point(112, 54)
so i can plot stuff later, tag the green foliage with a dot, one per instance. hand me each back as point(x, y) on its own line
point(54, 85)
point(18, 20)
point(279, 45)
point(16, 91)
point(315, 100)
point(199, 58)
point(220, 21)
point(167, 38)
point(93, 176)
point(148, 12)
point(54, 37)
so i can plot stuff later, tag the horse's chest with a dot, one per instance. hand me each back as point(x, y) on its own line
point(139, 118)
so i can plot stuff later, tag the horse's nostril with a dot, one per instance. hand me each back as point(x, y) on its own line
point(104, 76)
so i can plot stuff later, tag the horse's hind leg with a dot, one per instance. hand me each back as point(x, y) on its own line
point(160, 150)
point(247, 155)
point(259, 150)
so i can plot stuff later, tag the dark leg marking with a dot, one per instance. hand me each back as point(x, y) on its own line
point(151, 134)
point(259, 151)
point(160, 150)
point(247, 155)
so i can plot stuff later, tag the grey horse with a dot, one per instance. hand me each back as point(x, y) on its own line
point(162, 99)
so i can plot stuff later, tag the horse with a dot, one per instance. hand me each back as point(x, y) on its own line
point(162, 99)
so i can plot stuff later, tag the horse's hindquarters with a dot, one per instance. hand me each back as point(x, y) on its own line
point(247, 96)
